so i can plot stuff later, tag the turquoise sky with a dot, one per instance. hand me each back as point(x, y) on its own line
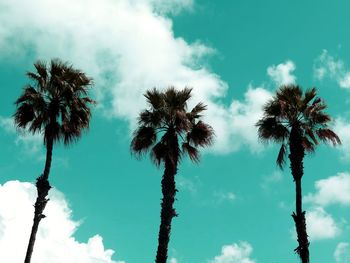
point(233, 195)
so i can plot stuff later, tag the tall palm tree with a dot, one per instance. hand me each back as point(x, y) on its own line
point(55, 104)
point(162, 129)
point(296, 120)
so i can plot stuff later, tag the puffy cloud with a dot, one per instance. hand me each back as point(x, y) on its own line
point(173, 260)
point(282, 73)
point(30, 143)
point(129, 46)
point(328, 66)
point(332, 190)
point(235, 253)
point(342, 253)
point(321, 225)
point(243, 117)
point(55, 241)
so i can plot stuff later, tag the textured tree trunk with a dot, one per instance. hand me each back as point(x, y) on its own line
point(43, 187)
point(169, 192)
point(296, 160)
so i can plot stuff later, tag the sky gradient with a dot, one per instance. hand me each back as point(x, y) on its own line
point(234, 206)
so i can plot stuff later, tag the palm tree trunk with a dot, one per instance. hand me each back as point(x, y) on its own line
point(43, 187)
point(296, 159)
point(169, 192)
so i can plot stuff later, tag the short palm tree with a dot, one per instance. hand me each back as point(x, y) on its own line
point(162, 129)
point(297, 121)
point(55, 104)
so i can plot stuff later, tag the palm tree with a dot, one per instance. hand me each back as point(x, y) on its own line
point(296, 120)
point(162, 128)
point(55, 104)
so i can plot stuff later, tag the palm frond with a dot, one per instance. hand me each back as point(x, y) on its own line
point(270, 129)
point(158, 153)
point(310, 94)
point(191, 151)
point(195, 112)
point(281, 158)
point(143, 138)
point(154, 98)
point(327, 135)
point(272, 108)
point(308, 145)
point(40, 67)
point(310, 133)
point(181, 122)
point(201, 134)
point(150, 118)
point(24, 115)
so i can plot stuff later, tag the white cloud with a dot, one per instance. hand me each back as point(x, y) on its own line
point(321, 225)
point(30, 143)
point(282, 73)
point(173, 260)
point(342, 253)
point(129, 46)
point(235, 253)
point(342, 129)
point(55, 241)
point(332, 190)
point(333, 68)
point(125, 45)
point(243, 117)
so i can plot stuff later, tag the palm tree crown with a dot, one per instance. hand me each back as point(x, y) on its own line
point(168, 113)
point(291, 108)
point(56, 103)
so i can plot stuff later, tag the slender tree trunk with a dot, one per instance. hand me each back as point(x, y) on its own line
point(296, 159)
point(43, 187)
point(169, 192)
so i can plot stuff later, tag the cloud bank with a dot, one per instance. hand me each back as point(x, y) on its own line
point(129, 46)
point(55, 239)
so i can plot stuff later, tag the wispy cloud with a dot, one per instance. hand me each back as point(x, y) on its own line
point(30, 143)
point(187, 184)
point(342, 253)
point(270, 180)
point(224, 196)
point(328, 66)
